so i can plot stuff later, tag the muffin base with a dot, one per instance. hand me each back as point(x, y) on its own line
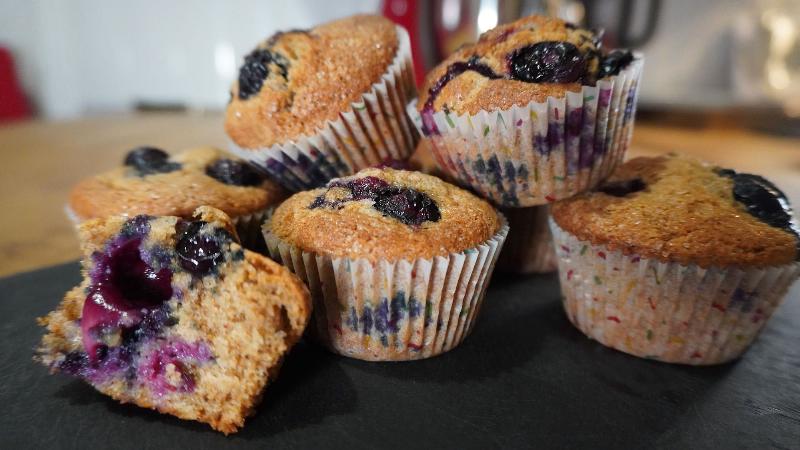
point(664, 310)
point(529, 247)
point(393, 310)
point(375, 129)
point(541, 152)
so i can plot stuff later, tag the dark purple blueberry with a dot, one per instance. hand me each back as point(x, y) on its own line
point(408, 206)
point(137, 226)
point(547, 62)
point(615, 61)
point(237, 173)
point(74, 363)
point(762, 199)
point(404, 204)
point(623, 187)
point(200, 251)
point(256, 69)
point(366, 187)
point(150, 160)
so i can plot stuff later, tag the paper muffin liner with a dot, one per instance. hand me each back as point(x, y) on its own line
point(393, 310)
point(529, 246)
point(665, 310)
point(542, 152)
point(248, 227)
point(375, 129)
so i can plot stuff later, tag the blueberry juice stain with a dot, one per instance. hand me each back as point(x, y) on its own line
point(454, 70)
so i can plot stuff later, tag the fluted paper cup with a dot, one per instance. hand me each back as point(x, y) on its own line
point(665, 310)
point(393, 310)
point(541, 152)
point(529, 246)
point(375, 129)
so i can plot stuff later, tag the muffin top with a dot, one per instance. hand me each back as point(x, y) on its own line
point(292, 83)
point(151, 182)
point(673, 208)
point(517, 63)
point(385, 214)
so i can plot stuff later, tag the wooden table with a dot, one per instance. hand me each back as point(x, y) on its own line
point(40, 161)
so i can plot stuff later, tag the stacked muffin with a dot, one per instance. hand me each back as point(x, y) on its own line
point(665, 258)
point(533, 112)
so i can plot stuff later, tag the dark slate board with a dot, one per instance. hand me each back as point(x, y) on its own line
point(525, 378)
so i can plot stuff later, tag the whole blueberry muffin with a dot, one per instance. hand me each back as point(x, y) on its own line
point(174, 315)
point(397, 261)
point(150, 181)
point(534, 111)
point(310, 105)
point(676, 260)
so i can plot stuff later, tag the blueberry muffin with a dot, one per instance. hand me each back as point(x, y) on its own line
point(310, 105)
point(676, 260)
point(175, 316)
point(151, 182)
point(397, 261)
point(535, 111)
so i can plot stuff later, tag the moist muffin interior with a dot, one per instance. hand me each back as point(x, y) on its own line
point(295, 81)
point(385, 214)
point(174, 315)
point(517, 63)
point(674, 208)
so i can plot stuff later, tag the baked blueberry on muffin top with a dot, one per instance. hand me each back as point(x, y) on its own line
point(152, 182)
point(296, 81)
point(385, 214)
point(517, 63)
point(673, 208)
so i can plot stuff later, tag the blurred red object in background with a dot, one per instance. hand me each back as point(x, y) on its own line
point(406, 13)
point(13, 105)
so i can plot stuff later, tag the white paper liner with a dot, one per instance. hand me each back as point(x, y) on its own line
point(248, 227)
point(529, 246)
point(393, 310)
point(666, 311)
point(375, 129)
point(542, 152)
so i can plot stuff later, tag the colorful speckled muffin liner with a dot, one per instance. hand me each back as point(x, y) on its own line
point(545, 151)
point(666, 311)
point(376, 129)
point(529, 246)
point(393, 310)
point(248, 227)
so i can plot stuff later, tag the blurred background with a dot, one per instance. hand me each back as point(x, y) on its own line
point(84, 81)
point(89, 57)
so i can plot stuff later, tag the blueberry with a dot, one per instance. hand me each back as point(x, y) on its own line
point(615, 61)
point(547, 62)
point(762, 199)
point(623, 187)
point(150, 160)
point(237, 173)
point(256, 69)
point(408, 206)
point(404, 204)
point(137, 226)
point(74, 363)
point(200, 251)
point(366, 187)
